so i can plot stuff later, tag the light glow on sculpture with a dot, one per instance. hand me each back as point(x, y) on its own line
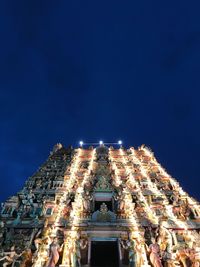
point(184, 225)
point(130, 213)
point(106, 193)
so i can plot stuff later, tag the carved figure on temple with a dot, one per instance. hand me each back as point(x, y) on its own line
point(66, 212)
point(195, 255)
point(127, 201)
point(54, 252)
point(129, 209)
point(175, 198)
point(183, 255)
point(80, 244)
point(57, 147)
point(191, 211)
point(103, 184)
point(168, 259)
point(28, 199)
point(70, 198)
point(40, 184)
point(177, 210)
point(40, 209)
point(89, 184)
point(19, 215)
point(40, 257)
point(102, 153)
point(103, 215)
point(44, 233)
point(87, 201)
point(148, 235)
point(84, 165)
point(164, 237)
point(130, 184)
point(165, 187)
point(10, 257)
point(120, 200)
point(133, 247)
point(26, 258)
point(154, 256)
point(182, 211)
point(69, 252)
point(116, 182)
point(2, 232)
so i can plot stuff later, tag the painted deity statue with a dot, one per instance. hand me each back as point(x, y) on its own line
point(26, 258)
point(128, 205)
point(87, 201)
point(45, 233)
point(195, 255)
point(80, 244)
point(134, 249)
point(103, 184)
point(165, 238)
point(130, 185)
point(28, 198)
point(182, 255)
point(148, 235)
point(120, 199)
point(154, 257)
point(104, 214)
point(10, 257)
point(40, 257)
point(54, 253)
point(69, 258)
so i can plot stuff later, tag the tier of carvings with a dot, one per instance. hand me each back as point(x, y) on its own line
point(48, 223)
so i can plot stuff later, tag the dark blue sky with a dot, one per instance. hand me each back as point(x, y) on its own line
point(91, 70)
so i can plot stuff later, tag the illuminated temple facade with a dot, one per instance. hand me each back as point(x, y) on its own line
point(100, 206)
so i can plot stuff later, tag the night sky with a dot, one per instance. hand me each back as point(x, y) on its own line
point(91, 70)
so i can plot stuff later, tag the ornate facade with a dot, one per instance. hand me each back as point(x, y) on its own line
point(100, 207)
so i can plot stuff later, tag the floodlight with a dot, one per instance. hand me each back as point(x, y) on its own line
point(81, 143)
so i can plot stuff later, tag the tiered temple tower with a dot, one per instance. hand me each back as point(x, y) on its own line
point(100, 206)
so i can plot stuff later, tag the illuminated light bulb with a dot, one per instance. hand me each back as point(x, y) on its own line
point(81, 143)
point(120, 142)
point(101, 142)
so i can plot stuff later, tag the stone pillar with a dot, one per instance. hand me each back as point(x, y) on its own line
point(113, 204)
point(89, 251)
point(120, 252)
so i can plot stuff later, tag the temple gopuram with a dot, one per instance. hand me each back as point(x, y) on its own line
point(100, 206)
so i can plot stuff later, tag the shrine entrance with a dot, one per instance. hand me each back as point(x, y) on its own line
point(104, 254)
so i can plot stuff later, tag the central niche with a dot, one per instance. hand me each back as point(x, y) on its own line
point(99, 203)
point(103, 207)
point(103, 197)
